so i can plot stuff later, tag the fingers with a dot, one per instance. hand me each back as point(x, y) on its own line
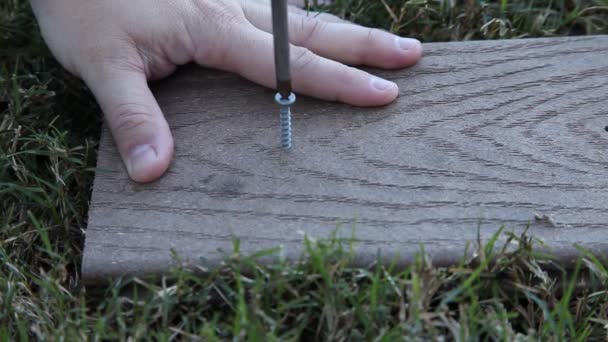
point(347, 43)
point(330, 18)
point(327, 17)
point(137, 124)
point(302, 3)
point(297, 7)
point(252, 57)
point(294, 3)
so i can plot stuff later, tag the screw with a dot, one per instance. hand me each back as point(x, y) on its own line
point(285, 104)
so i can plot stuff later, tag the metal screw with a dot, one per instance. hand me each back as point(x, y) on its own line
point(285, 104)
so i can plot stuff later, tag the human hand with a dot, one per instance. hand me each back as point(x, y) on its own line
point(117, 46)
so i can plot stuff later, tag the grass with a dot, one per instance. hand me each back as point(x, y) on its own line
point(49, 128)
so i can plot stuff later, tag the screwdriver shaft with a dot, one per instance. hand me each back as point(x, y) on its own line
point(281, 47)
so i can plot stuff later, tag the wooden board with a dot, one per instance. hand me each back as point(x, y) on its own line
point(483, 134)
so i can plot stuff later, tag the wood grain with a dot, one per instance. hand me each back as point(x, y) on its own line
point(483, 134)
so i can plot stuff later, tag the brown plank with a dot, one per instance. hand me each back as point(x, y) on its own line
point(483, 134)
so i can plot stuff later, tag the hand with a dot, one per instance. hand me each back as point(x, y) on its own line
point(116, 46)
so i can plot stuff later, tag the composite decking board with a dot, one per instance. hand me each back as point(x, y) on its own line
point(483, 134)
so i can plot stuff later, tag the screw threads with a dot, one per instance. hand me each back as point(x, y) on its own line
point(285, 127)
point(285, 117)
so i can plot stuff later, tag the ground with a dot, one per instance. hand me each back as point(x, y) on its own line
point(49, 127)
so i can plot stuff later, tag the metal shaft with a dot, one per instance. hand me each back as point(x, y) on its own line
point(281, 47)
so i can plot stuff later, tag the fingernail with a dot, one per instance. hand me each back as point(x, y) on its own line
point(141, 159)
point(407, 43)
point(381, 84)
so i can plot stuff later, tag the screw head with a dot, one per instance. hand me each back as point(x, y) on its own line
point(285, 102)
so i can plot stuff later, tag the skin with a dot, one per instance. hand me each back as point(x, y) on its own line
point(117, 46)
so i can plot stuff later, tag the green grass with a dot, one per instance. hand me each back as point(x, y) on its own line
point(49, 128)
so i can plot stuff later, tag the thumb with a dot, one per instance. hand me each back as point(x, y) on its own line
point(137, 124)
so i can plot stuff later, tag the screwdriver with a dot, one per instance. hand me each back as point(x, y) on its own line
point(284, 97)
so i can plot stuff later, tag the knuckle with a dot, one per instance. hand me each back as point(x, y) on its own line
point(310, 28)
point(374, 35)
point(367, 40)
point(224, 14)
point(220, 21)
point(127, 117)
point(370, 35)
point(303, 59)
point(229, 19)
